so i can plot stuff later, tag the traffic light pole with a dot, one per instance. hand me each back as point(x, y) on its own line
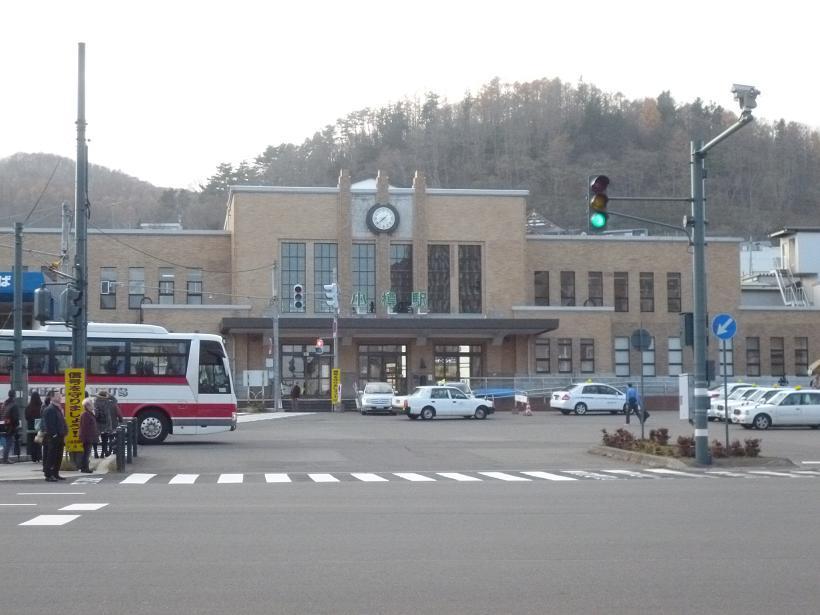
point(276, 385)
point(80, 322)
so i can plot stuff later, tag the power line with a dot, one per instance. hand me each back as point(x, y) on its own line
point(39, 198)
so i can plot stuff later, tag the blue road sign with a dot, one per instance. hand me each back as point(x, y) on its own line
point(724, 326)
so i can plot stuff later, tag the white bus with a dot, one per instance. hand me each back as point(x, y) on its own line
point(172, 383)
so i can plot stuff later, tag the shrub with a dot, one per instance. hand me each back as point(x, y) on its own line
point(752, 447)
point(620, 439)
point(717, 449)
point(659, 436)
point(686, 446)
point(736, 449)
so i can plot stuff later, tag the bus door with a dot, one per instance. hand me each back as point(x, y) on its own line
point(215, 398)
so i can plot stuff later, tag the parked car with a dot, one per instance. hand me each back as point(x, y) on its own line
point(788, 407)
point(398, 400)
point(716, 410)
point(717, 391)
point(429, 402)
point(589, 397)
point(376, 397)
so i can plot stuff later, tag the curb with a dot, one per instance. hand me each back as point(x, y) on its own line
point(678, 464)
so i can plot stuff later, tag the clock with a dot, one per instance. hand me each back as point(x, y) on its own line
point(383, 218)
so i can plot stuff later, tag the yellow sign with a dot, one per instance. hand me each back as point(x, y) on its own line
point(335, 385)
point(74, 395)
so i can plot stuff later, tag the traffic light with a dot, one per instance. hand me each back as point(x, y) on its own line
point(598, 199)
point(72, 299)
point(43, 305)
point(320, 345)
point(332, 294)
point(298, 297)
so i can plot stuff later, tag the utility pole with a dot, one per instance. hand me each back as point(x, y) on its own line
point(338, 406)
point(65, 236)
point(81, 212)
point(274, 345)
point(17, 369)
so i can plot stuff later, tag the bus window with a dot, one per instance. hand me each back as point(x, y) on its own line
point(36, 353)
point(61, 356)
point(106, 356)
point(212, 375)
point(6, 355)
point(158, 358)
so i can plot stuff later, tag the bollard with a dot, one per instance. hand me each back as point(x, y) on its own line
point(132, 431)
point(136, 435)
point(128, 442)
point(120, 436)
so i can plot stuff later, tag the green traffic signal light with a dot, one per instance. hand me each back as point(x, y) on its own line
point(598, 220)
point(598, 217)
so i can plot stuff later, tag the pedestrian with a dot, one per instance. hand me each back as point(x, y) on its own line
point(55, 429)
point(88, 433)
point(783, 381)
point(88, 402)
point(105, 426)
point(34, 411)
point(632, 398)
point(11, 423)
point(295, 394)
point(115, 420)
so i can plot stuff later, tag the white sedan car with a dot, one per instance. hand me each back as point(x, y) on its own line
point(717, 405)
point(790, 407)
point(589, 397)
point(376, 397)
point(429, 402)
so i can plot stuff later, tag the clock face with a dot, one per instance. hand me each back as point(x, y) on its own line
point(383, 218)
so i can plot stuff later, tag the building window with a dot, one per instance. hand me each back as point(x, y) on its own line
point(438, 279)
point(673, 293)
point(324, 263)
point(647, 284)
point(193, 287)
point(752, 356)
point(166, 285)
point(587, 356)
point(727, 369)
point(136, 287)
point(568, 288)
point(108, 288)
point(293, 272)
point(312, 372)
point(648, 359)
point(452, 362)
point(801, 356)
point(675, 361)
point(383, 363)
point(622, 356)
point(595, 281)
point(401, 275)
point(541, 284)
point(778, 358)
point(542, 354)
point(564, 355)
point(621, 291)
point(469, 279)
point(364, 273)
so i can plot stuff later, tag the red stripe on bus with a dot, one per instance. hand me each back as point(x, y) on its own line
point(119, 380)
point(181, 410)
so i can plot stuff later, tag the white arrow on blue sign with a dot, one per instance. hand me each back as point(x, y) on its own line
point(724, 326)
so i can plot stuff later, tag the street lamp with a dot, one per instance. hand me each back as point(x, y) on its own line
point(746, 96)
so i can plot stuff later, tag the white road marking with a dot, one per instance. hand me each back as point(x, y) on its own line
point(631, 474)
point(267, 416)
point(84, 506)
point(323, 478)
point(809, 462)
point(770, 473)
point(505, 476)
point(549, 476)
point(50, 520)
point(230, 478)
point(51, 493)
point(18, 504)
point(368, 477)
point(459, 477)
point(673, 472)
point(277, 478)
point(729, 474)
point(86, 480)
point(183, 479)
point(137, 479)
point(416, 478)
point(592, 475)
point(806, 472)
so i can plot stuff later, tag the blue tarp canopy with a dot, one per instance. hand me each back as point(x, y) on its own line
point(495, 392)
point(31, 281)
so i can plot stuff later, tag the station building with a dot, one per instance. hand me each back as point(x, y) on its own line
point(438, 284)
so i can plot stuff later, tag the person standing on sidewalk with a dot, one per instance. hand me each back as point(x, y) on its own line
point(34, 411)
point(11, 422)
point(295, 394)
point(55, 429)
point(88, 433)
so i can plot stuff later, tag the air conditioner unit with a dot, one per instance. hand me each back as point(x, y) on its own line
point(107, 287)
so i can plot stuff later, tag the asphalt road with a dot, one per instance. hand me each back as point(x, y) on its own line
point(744, 544)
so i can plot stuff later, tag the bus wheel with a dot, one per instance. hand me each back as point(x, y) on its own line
point(152, 427)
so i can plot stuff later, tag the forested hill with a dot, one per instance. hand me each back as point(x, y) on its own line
point(545, 136)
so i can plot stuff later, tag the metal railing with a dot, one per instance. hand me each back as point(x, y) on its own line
point(126, 443)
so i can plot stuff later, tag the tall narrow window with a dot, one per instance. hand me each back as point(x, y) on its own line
point(568, 288)
point(469, 279)
point(564, 355)
point(438, 279)
point(648, 359)
point(108, 288)
point(675, 361)
point(136, 287)
point(587, 356)
point(193, 287)
point(647, 284)
point(166, 285)
point(364, 276)
point(778, 359)
point(293, 272)
point(727, 366)
point(622, 356)
point(401, 275)
point(595, 281)
point(752, 356)
point(673, 292)
point(542, 354)
point(541, 286)
point(621, 291)
point(324, 262)
point(801, 356)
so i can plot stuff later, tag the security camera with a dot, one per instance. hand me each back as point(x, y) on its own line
point(746, 96)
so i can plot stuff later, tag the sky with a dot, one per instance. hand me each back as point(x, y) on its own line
point(176, 87)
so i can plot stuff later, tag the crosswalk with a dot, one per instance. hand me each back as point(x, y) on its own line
point(507, 476)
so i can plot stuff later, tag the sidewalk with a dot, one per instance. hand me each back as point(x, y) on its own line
point(26, 470)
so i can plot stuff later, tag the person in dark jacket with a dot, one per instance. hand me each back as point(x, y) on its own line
point(88, 433)
point(33, 413)
point(11, 423)
point(295, 394)
point(55, 428)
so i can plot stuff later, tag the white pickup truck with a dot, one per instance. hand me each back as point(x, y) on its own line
point(429, 402)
